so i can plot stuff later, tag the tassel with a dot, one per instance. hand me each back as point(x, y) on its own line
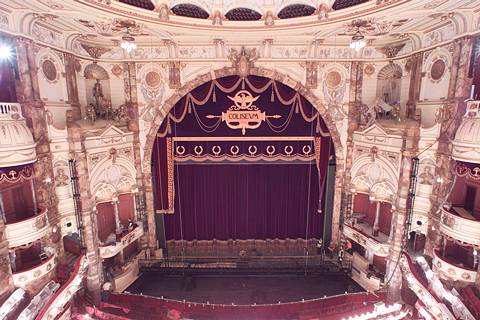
point(318, 126)
point(297, 110)
point(243, 83)
point(169, 128)
point(189, 108)
point(214, 99)
point(272, 96)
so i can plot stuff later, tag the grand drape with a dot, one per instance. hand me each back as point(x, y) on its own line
point(245, 201)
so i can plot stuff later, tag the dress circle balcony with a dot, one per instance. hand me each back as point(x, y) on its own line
point(22, 278)
point(459, 224)
point(450, 269)
point(28, 230)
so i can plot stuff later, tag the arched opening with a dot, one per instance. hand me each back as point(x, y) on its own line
point(243, 159)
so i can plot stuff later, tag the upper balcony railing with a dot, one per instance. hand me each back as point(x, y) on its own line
point(363, 237)
point(10, 110)
point(27, 230)
point(465, 229)
point(108, 251)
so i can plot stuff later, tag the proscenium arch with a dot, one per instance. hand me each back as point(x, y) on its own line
point(169, 103)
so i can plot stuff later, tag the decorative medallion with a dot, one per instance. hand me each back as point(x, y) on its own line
point(333, 79)
point(243, 114)
point(49, 70)
point(438, 70)
point(40, 222)
point(369, 69)
point(117, 70)
point(466, 276)
point(152, 79)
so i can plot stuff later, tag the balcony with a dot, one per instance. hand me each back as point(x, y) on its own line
point(124, 277)
point(17, 146)
point(126, 239)
point(460, 225)
point(27, 230)
point(361, 233)
point(450, 269)
point(23, 277)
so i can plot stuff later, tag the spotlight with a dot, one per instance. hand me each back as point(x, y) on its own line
point(5, 52)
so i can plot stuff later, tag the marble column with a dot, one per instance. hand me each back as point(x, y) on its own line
point(6, 281)
point(131, 98)
point(377, 218)
point(72, 88)
point(355, 94)
point(87, 213)
point(118, 226)
point(400, 215)
point(34, 111)
point(454, 108)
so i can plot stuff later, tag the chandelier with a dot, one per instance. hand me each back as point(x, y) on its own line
point(128, 42)
point(358, 41)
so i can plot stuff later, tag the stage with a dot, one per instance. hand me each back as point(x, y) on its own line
point(244, 288)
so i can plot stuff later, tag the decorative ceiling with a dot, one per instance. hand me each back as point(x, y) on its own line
point(414, 24)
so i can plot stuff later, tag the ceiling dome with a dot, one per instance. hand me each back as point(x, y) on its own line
point(466, 146)
point(16, 141)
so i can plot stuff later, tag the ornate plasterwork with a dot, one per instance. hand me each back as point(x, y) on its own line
point(448, 271)
point(437, 64)
point(369, 243)
point(47, 35)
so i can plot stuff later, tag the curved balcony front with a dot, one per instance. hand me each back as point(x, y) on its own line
point(379, 247)
point(109, 251)
point(27, 230)
point(23, 277)
point(451, 270)
point(465, 229)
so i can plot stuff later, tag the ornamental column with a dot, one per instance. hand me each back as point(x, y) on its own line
point(6, 281)
point(355, 94)
point(451, 117)
point(400, 215)
point(28, 93)
point(72, 88)
point(86, 213)
point(377, 218)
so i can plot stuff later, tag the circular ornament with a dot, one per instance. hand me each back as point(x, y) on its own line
point(438, 70)
point(270, 150)
point(288, 150)
point(252, 150)
point(306, 150)
point(152, 79)
point(49, 70)
point(333, 79)
point(369, 69)
point(180, 150)
point(117, 70)
point(198, 150)
point(216, 150)
point(234, 150)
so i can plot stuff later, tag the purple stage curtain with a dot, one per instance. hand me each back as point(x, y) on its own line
point(105, 220)
point(245, 201)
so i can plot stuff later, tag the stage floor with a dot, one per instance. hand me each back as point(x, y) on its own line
point(243, 289)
